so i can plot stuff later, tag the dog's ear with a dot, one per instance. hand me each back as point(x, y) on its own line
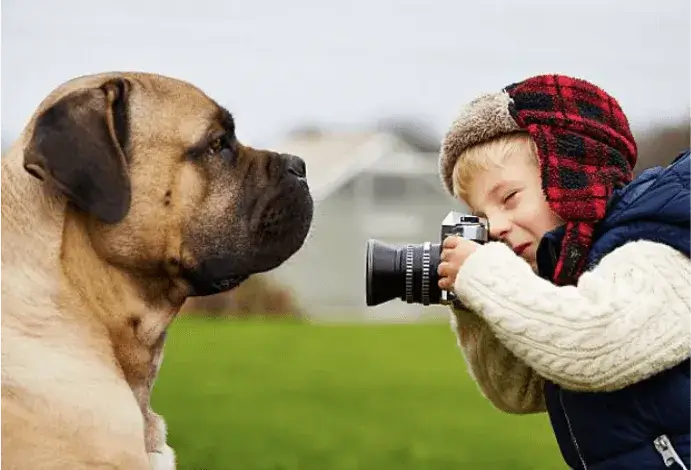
point(80, 144)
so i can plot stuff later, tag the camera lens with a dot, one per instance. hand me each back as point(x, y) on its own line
point(407, 272)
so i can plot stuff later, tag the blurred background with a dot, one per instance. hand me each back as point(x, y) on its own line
point(291, 369)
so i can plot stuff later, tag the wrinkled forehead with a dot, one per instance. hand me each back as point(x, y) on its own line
point(174, 112)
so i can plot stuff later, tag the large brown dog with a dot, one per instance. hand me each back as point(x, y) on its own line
point(125, 194)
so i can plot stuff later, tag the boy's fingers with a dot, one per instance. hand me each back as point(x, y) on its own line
point(450, 242)
point(444, 255)
point(447, 266)
point(445, 270)
point(447, 276)
point(444, 283)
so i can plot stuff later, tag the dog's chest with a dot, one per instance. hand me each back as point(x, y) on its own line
point(140, 352)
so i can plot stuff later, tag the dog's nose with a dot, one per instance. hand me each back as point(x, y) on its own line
point(295, 165)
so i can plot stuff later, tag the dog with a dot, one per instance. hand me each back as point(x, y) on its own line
point(125, 194)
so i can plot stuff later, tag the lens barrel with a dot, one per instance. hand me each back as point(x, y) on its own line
point(407, 272)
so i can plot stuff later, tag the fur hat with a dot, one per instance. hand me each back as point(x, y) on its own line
point(584, 144)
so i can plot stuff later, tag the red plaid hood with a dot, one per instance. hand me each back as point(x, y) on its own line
point(585, 148)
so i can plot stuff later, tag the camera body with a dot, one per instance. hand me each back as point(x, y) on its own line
point(409, 272)
point(467, 226)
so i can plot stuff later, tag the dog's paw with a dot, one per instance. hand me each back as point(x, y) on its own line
point(164, 460)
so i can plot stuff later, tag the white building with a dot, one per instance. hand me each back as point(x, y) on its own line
point(371, 184)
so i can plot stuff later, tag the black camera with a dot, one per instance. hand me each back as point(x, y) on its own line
point(409, 271)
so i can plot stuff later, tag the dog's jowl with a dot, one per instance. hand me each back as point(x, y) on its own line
point(125, 194)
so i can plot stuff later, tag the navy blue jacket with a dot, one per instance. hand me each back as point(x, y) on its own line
point(617, 430)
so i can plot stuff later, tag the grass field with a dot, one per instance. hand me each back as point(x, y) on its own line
point(266, 395)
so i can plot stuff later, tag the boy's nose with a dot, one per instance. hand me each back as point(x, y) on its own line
point(499, 228)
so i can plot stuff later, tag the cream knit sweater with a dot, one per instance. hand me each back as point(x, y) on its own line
point(627, 319)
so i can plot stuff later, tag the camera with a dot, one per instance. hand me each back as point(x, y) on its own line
point(409, 272)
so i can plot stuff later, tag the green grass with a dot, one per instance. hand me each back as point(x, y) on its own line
point(266, 395)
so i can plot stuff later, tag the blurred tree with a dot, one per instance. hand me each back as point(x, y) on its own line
point(257, 296)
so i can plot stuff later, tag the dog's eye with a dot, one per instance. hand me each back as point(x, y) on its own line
point(218, 145)
point(222, 146)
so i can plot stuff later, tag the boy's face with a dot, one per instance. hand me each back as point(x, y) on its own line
point(511, 198)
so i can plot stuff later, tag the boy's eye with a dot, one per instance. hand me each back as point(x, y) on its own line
point(510, 196)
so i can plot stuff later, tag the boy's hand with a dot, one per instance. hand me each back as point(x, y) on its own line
point(455, 250)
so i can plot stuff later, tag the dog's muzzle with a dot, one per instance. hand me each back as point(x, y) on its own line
point(203, 282)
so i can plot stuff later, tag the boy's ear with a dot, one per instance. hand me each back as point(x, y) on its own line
point(79, 143)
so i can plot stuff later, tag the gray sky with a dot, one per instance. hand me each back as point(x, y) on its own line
point(278, 64)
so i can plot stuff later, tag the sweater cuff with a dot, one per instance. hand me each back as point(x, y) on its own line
point(492, 263)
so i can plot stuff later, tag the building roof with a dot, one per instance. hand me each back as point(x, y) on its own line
point(334, 157)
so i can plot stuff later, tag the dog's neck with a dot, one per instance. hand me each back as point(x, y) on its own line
point(135, 308)
point(42, 235)
point(136, 302)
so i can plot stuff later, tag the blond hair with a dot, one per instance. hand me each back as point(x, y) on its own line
point(489, 154)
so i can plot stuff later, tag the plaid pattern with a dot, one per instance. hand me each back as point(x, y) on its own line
point(586, 150)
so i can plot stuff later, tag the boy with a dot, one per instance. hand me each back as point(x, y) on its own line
point(579, 305)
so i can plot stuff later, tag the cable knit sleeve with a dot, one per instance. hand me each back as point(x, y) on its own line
point(507, 382)
point(626, 320)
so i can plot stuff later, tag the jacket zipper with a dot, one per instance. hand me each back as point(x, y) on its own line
point(665, 448)
point(573, 437)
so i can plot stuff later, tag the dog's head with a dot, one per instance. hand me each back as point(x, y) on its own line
point(155, 171)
